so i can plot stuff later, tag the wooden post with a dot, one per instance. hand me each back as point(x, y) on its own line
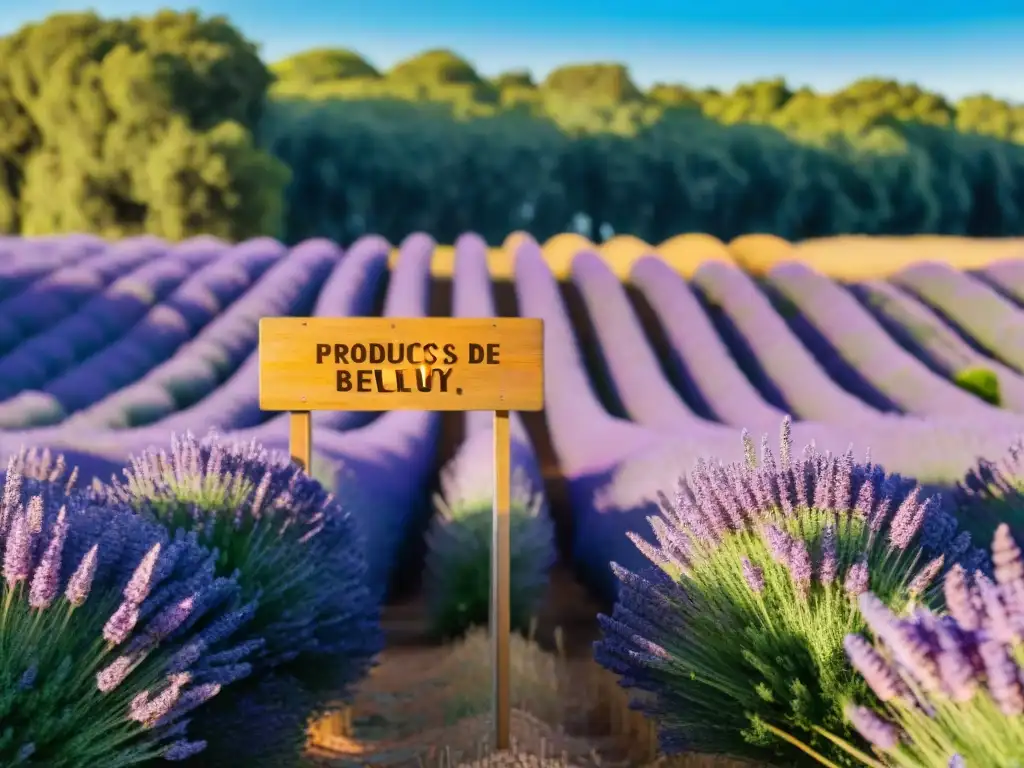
point(300, 438)
point(488, 364)
point(501, 619)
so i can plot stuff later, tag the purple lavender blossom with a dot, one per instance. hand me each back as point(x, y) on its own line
point(1004, 677)
point(1006, 556)
point(91, 551)
point(862, 526)
point(779, 543)
point(183, 750)
point(951, 659)
point(46, 580)
point(258, 506)
point(121, 623)
point(886, 684)
point(754, 576)
point(959, 601)
point(800, 568)
point(140, 583)
point(18, 551)
point(856, 582)
point(873, 728)
point(81, 582)
point(827, 565)
point(925, 577)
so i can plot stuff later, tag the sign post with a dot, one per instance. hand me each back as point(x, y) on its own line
point(419, 364)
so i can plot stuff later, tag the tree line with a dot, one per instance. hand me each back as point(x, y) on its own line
point(172, 125)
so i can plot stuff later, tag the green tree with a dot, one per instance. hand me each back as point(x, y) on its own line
point(323, 65)
point(127, 126)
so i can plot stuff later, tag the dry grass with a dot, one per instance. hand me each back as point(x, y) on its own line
point(846, 257)
point(427, 707)
point(859, 257)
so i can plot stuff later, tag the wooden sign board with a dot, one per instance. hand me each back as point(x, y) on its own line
point(388, 364)
point(422, 364)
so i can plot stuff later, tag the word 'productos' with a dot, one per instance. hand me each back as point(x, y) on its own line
point(388, 364)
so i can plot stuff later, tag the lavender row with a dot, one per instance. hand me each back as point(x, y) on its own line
point(862, 356)
point(1007, 277)
point(615, 470)
point(348, 292)
point(198, 303)
point(382, 471)
point(352, 291)
point(472, 297)
point(60, 293)
point(199, 366)
point(629, 363)
point(22, 261)
point(697, 356)
point(923, 332)
point(801, 385)
point(594, 449)
point(152, 340)
point(97, 323)
point(405, 298)
point(990, 320)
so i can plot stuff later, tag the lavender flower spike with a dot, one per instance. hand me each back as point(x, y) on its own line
point(1006, 556)
point(879, 732)
point(827, 567)
point(881, 678)
point(140, 583)
point(18, 553)
point(925, 577)
point(46, 580)
point(121, 623)
point(81, 581)
point(959, 600)
point(779, 543)
point(856, 582)
point(800, 568)
point(754, 576)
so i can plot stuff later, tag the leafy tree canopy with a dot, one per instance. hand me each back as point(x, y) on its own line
point(125, 126)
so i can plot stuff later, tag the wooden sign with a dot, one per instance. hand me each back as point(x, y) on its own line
point(387, 364)
point(424, 364)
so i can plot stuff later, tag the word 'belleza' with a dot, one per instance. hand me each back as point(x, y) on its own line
point(423, 356)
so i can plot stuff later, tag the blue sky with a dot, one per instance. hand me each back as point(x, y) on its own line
point(952, 46)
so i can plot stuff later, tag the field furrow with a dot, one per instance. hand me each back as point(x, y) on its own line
point(629, 366)
point(699, 362)
point(23, 262)
point(989, 320)
point(52, 298)
point(777, 361)
point(107, 349)
point(1006, 277)
point(228, 336)
point(99, 322)
point(926, 335)
point(860, 354)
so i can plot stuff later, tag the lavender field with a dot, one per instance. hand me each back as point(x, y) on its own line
point(109, 348)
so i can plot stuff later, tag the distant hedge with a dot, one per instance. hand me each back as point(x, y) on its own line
point(172, 125)
point(393, 168)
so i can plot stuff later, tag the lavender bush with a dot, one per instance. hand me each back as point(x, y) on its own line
point(458, 563)
point(950, 689)
point(737, 632)
point(293, 546)
point(993, 492)
point(113, 634)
